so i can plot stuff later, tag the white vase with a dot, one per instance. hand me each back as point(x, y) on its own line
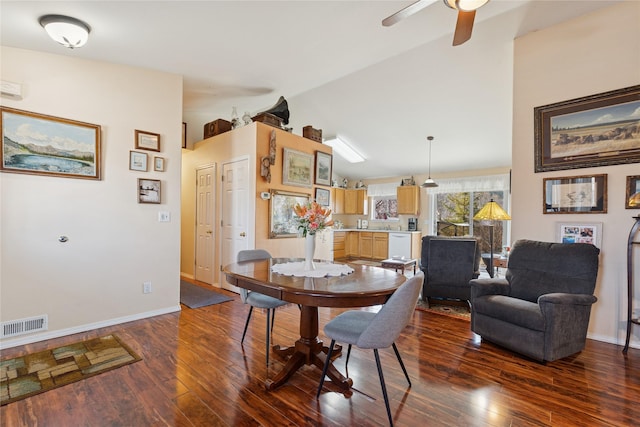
point(309, 250)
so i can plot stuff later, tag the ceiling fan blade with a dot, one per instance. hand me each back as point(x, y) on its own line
point(464, 27)
point(406, 12)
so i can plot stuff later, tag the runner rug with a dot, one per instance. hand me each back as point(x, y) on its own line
point(194, 296)
point(36, 373)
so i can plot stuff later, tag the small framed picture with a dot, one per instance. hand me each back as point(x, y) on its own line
point(323, 168)
point(137, 161)
point(632, 199)
point(147, 141)
point(323, 196)
point(184, 135)
point(575, 194)
point(148, 190)
point(158, 164)
point(580, 232)
point(297, 168)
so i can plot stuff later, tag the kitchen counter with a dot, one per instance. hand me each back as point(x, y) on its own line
point(375, 230)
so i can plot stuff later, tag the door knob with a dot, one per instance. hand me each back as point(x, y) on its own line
point(209, 231)
point(243, 234)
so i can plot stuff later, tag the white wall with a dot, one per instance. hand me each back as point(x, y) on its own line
point(115, 243)
point(585, 56)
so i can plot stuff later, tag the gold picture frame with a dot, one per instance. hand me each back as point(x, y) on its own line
point(297, 168)
point(281, 216)
point(147, 140)
point(632, 195)
point(37, 150)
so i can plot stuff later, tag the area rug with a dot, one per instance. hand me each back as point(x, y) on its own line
point(194, 296)
point(36, 373)
point(451, 310)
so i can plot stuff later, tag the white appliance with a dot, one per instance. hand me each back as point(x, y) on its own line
point(400, 245)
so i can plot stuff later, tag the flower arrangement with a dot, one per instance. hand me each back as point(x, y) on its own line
point(311, 218)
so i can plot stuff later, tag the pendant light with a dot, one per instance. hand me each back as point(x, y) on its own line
point(429, 183)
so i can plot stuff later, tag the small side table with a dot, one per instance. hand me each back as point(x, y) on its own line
point(400, 264)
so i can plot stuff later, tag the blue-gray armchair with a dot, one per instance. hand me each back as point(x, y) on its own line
point(541, 308)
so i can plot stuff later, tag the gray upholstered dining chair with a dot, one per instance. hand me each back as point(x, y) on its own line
point(369, 330)
point(256, 299)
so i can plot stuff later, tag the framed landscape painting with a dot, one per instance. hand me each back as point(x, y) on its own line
point(282, 221)
point(597, 130)
point(323, 168)
point(575, 194)
point(38, 144)
point(297, 168)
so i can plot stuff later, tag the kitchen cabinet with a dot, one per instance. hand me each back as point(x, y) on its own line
point(351, 244)
point(339, 244)
point(354, 201)
point(380, 245)
point(365, 244)
point(408, 199)
point(337, 200)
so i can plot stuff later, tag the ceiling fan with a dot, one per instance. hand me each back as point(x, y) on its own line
point(466, 15)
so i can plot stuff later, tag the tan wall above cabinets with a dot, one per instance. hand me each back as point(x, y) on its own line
point(354, 201)
point(337, 200)
point(408, 200)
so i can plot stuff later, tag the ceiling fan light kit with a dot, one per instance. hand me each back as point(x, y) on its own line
point(69, 32)
point(465, 5)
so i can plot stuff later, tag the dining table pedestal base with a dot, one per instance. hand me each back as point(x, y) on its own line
point(308, 350)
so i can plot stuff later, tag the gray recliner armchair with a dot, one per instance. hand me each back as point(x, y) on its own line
point(449, 263)
point(541, 308)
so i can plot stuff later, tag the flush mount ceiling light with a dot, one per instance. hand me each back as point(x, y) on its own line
point(465, 5)
point(69, 32)
point(429, 183)
point(346, 152)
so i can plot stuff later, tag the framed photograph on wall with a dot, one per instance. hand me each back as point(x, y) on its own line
point(580, 232)
point(158, 164)
point(137, 161)
point(147, 141)
point(323, 168)
point(323, 196)
point(281, 216)
point(597, 130)
point(632, 198)
point(297, 168)
point(38, 144)
point(576, 194)
point(184, 135)
point(149, 190)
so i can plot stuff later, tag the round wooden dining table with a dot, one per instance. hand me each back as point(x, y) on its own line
point(366, 286)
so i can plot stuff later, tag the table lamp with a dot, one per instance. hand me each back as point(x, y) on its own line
point(491, 212)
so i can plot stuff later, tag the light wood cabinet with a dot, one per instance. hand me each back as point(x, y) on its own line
point(354, 201)
point(380, 245)
point(351, 244)
point(365, 244)
point(337, 200)
point(408, 199)
point(339, 244)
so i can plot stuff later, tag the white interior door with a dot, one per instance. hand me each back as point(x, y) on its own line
point(236, 212)
point(205, 231)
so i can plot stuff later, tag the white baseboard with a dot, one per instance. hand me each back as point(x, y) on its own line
point(83, 328)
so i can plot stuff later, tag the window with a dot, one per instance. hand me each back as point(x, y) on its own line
point(384, 208)
point(456, 201)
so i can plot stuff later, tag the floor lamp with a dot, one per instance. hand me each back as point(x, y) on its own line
point(491, 212)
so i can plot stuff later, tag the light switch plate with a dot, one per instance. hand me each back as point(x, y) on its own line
point(164, 216)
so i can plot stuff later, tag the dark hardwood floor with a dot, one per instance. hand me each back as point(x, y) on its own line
point(194, 372)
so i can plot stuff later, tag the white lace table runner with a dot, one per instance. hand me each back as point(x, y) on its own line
point(322, 269)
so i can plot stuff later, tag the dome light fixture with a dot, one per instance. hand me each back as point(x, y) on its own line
point(429, 183)
point(465, 5)
point(69, 32)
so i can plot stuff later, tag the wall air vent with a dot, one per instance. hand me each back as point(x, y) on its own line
point(24, 326)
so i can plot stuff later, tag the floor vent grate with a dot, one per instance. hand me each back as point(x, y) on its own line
point(24, 326)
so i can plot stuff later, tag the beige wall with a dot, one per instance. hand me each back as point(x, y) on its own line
point(250, 142)
point(115, 244)
point(588, 55)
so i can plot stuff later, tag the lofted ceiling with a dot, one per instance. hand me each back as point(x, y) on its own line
point(381, 89)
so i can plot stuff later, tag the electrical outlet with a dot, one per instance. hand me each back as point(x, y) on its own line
point(164, 216)
point(146, 288)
